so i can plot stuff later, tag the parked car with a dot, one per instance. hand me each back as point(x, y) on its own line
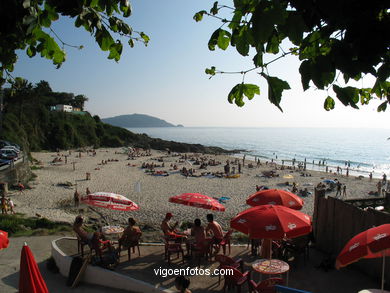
point(8, 154)
point(4, 162)
point(4, 143)
point(11, 148)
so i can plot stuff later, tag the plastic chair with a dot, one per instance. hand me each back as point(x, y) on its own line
point(80, 245)
point(266, 286)
point(171, 248)
point(228, 261)
point(235, 279)
point(296, 247)
point(133, 246)
point(225, 241)
point(203, 250)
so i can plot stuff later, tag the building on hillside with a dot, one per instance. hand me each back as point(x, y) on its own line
point(61, 108)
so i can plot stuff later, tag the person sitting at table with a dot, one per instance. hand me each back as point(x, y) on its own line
point(199, 234)
point(169, 229)
point(99, 244)
point(171, 232)
point(214, 229)
point(81, 233)
point(130, 236)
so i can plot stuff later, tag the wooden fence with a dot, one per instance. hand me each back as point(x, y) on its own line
point(336, 222)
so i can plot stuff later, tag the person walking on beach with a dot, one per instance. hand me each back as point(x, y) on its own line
point(379, 186)
point(76, 198)
point(338, 192)
point(11, 205)
point(370, 176)
point(3, 202)
point(239, 168)
point(344, 191)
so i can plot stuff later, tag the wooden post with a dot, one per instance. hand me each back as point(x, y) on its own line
point(4, 187)
point(387, 199)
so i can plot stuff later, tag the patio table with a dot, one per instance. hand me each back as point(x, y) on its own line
point(271, 267)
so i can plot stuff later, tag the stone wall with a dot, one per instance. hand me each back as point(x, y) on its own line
point(18, 172)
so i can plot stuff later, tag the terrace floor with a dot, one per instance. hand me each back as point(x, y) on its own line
point(301, 276)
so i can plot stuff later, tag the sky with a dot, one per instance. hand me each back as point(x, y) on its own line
point(166, 79)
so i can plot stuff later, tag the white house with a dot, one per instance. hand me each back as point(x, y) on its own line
point(61, 108)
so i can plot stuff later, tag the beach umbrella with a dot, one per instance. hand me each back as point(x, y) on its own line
point(109, 200)
point(272, 222)
point(372, 243)
point(329, 181)
point(4, 241)
point(275, 197)
point(198, 200)
point(30, 278)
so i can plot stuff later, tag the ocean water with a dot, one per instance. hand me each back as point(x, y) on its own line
point(365, 150)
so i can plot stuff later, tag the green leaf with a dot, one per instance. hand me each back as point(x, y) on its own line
point(276, 87)
point(131, 43)
point(236, 20)
point(294, 27)
point(305, 71)
point(214, 40)
point(125, 7)
point(104, 39)
point(250, 90)
point(265, 16)
point(348, 95)
point(223, 39)
point(214, 9)
point(210, 71)
point(199, 15)
point(236, 95)
point(31, 51)
point(241, 39)
point(365, 96)
point(273, 44)
point(382, 107)
point(329, 104)
point(145, 38)
point(258, 59)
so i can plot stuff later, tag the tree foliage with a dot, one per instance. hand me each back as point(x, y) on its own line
point(348, 38)
point(27, 25)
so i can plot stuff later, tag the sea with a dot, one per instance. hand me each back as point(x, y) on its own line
point(361, 150)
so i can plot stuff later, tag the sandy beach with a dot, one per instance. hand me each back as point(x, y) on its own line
point(49, 199)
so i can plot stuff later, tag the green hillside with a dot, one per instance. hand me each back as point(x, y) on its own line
point(28, 121)
point(137, 120)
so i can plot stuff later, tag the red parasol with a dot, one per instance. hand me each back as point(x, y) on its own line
point(372, 243)
point(30, 278)
point(275, 197)
point(109, 200)
point(272, 222)
point(4, 241)
point(198, 200)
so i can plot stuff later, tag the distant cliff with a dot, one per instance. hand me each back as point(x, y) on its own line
point(137, 120)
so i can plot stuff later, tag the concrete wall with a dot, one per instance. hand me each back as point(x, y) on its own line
point(99, 276)
point(19, 172)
